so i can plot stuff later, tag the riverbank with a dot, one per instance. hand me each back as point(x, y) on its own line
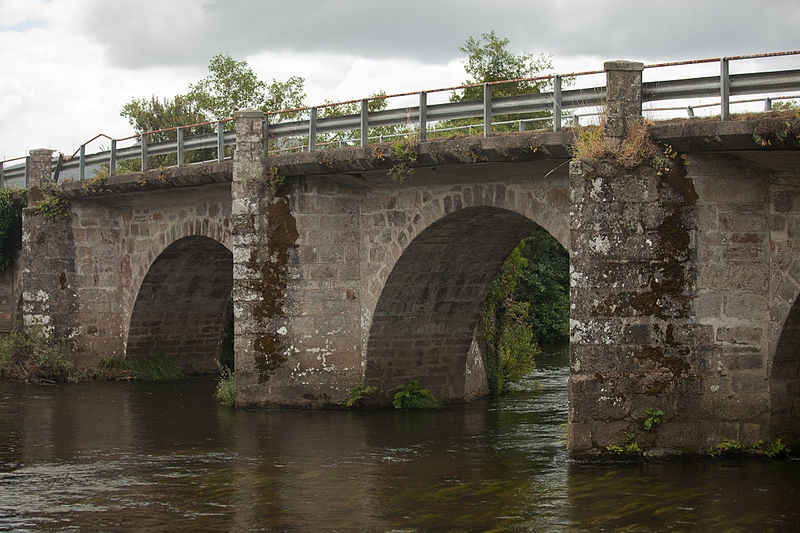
point(33, 357)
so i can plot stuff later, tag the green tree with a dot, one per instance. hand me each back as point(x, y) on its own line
point(230, 85)
point(11, 203)
point(527, 304)
point(544, 283)
point(154, 114)
point(506, 340)
point(488, 60)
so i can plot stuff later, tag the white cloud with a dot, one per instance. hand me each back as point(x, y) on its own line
point(69, 65)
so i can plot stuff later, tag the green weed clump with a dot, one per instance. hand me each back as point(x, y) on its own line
point(414, 396)
point(225, 392)
point(152, 368)
point(774, 450)
point(653, 418)
point(726, 447)
point(357, 395)
point(33, 356)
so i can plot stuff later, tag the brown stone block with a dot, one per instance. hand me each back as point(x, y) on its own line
point(724, 190)
point(716, 277)
point(746, 305)
point(740, 335)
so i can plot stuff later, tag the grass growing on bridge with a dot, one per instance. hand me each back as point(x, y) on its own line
point(225, 392)
point(151, 368)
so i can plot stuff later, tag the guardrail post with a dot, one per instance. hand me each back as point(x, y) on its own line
point(312, 130)
point(724, 89)
point(557, 103)
point(38, 166)
point(179, 142)
point(487, 110)
point(143, 140)
point(82, 162)
point(112, 160)
point(265, 133)
point(364, 123)
point(423, 115)
point(623, 99)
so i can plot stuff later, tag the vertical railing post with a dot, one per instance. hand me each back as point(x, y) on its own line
point(265, 133)
point(364, 122)
point(724, 89)
point(28, 170)
point(82, 162)
point(112, 159)
point(423, 116)
point(220, 142)
point(143, 140)
point(2, 176)
point(487, 110)
point(557, 103)
point(768, 104)
point(179, 142)
point(312, 130)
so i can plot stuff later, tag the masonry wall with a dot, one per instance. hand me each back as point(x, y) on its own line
point(323, 302)
point(678, 306)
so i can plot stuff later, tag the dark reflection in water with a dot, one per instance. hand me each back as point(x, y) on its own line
point(164, 457)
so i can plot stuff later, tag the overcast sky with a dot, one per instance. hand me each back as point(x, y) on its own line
point(68, 66)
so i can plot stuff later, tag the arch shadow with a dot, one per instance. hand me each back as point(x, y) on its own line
point(784, 377)
point(183, 304)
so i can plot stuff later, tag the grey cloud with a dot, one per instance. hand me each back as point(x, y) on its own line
point(181, 33)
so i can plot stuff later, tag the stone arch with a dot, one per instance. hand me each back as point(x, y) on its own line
point(182, 304)
point(784, 376)
point(443, 255)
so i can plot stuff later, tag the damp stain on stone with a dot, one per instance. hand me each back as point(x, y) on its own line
point(271, 286)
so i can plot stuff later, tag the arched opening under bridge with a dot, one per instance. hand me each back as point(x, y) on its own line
point(425, 321)
point(183, 308)
point(784, 380)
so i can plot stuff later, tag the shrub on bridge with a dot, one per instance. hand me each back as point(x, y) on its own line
point(414, 396)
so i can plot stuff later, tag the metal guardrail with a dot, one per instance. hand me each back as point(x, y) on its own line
point(418, 119)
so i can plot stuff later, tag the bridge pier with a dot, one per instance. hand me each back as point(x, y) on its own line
point(47, 260)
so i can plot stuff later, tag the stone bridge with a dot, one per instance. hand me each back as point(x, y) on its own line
point(320, 272)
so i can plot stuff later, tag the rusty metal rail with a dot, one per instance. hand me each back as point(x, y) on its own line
point(554, 106)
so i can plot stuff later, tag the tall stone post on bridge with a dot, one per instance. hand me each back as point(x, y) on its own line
point(248, 212)
point(264, 240)
point(47, 259)
point(635, 349)
point(624, 100)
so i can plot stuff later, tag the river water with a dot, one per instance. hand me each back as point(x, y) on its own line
point(164, 456)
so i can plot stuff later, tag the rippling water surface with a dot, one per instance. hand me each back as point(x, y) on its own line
point(144, 456)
